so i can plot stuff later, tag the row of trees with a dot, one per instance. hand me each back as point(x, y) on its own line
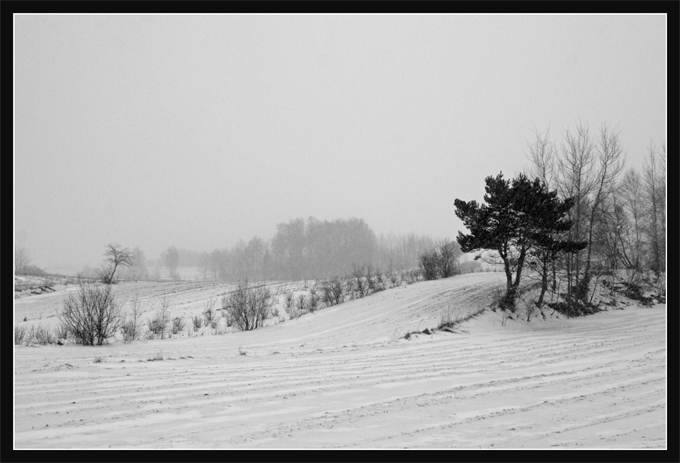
point(620, 213)
point(580, 217)
point(314, 249)
point(300, 249)
point(23, 264)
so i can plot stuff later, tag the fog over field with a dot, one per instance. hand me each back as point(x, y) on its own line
point(196, 131)
point(340, 231)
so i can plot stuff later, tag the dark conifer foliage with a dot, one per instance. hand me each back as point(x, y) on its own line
point(521, 220)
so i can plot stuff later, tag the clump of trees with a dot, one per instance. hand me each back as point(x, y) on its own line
point(521, 218)
point(23, 265)
point(580, 221)
point(171, 258)
point(441, 261)
point(311, 249)
point(620, 214)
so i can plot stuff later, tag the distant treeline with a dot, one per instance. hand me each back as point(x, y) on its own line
point(310, 249)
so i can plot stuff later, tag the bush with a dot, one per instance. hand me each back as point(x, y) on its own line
point(395, 279)
point(428, 264)
point(20, 334)
point(289, 299)
point(294, 313)
point(91, 314)
point(156, 357)
point(301, 303)
point(209, 312)
point(359, 281)
point(440, 262)
point(61, 331)
point(44, 336)
point(573, 308)
point(313, 300)
point(131, 326)
point(333, 291)
point(197, 322)
point(635, 292)
point(248, 307)
point(376, 284)
point(159, 322)
point(448, 320)
point(178, 325)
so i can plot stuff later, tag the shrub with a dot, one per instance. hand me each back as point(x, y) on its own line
point(428, 263)
point(573, 308)
point(376, 284)
point(301, 303)
point(359, 281)
point(294, 313)
point(447, 253)
point(157, 325)
point(43, 335)
point(209, 312)
point(449, 319)
point(91, 314)
point(157, 356)
point(61, 331)
point(248, 307)
point(159, 322)
point(20, 334)
point(333, 291)
point(635, 292)
point(131, 327)
point(289, 299)
point(178, 325)
point(440, 261)
point(197, 321)
point(395, 279)
point(313, 300)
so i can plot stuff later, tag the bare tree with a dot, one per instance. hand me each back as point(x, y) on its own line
point(172, 261)
point(22, 259)
point(543, 157)
point(115, 256)
point(610, 163)
point(131, 327)
point(655, 194)
point(630, 234)
point(576, 181)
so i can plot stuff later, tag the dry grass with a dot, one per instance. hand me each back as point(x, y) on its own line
point(450, 318)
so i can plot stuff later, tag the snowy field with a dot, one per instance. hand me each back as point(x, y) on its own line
point(345, 377)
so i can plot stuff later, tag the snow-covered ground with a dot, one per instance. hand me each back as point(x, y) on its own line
point(345, 377)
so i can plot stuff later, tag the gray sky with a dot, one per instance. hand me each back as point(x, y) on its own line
point(196, 131)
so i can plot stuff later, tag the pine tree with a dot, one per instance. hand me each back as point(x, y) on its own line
point(521, 219)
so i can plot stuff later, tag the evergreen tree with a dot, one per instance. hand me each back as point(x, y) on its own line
point(520, 219)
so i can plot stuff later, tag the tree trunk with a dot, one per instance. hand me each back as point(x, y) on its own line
point(544, 279)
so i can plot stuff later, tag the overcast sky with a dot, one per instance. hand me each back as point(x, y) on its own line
point(196, 131)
